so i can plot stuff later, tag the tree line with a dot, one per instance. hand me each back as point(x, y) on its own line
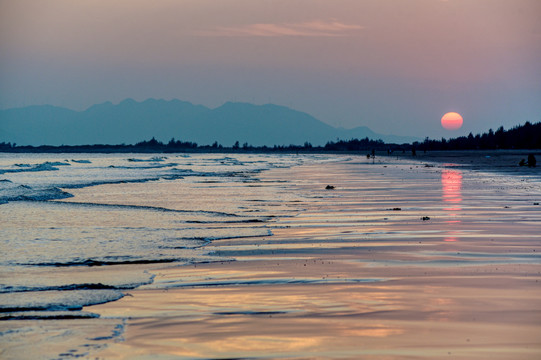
point(527, 136)
point(174, 145)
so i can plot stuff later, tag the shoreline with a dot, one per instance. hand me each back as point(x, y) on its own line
point(499, 161)
point(355, 271)
point(351, 278)
point(493, 160)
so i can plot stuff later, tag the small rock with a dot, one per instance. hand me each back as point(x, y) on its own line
point(329, 187)
point(425, 218)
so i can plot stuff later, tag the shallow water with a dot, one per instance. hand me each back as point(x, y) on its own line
point(130, 209)
point(230, 238)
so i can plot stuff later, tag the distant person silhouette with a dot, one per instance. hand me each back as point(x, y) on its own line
point(532, 162)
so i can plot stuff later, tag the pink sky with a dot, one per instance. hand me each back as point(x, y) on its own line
point(385, 64)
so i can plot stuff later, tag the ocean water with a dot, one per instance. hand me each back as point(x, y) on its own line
point(86, 229)
point(59, 253)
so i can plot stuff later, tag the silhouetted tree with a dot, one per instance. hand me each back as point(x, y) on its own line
point(527, 136)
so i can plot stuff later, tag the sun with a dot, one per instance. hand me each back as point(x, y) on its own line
point(452, 121)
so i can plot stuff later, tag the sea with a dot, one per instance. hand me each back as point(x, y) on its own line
point(78, 230)
point(56, 255)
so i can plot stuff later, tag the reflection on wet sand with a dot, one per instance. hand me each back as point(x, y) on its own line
point(352, 278)
point(418, 318)
point(451, 183)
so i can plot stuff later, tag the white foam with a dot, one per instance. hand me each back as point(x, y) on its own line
point(14, 192)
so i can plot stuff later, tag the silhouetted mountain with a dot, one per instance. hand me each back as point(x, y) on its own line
point(130, 121)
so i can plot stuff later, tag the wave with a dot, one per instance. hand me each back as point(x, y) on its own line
point(230, 237)
point(14, 192)
point(71, 287)
point(254, 313)
point(49, 189)
point(94, 262)
point(226, 160)
point(30, 168)
point(208, 239)
point(46, 315)
point(256, 220)
point(275, 281)
point(56, 300)
point(56, 163)
point(106, 182)
point(147, 207)
point(26, 193)
point(154, 166)
point(153, 159)
point(219, 174)
point(59, 282)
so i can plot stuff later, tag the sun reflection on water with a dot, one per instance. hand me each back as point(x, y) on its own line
point(451, 183)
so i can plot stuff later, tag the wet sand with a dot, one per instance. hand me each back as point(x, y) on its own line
point(358, 274)
point(502, 161)
point(411, 316)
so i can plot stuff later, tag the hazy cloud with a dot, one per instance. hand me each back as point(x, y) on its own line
point(311, 28)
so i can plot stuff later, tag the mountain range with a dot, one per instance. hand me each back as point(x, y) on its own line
point(131, 121)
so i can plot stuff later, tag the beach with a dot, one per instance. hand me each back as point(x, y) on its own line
point(500, 161)
point(257, 180)
point(404, 258)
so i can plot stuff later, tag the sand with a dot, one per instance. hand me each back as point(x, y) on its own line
point(352, 278)
point(502, 161)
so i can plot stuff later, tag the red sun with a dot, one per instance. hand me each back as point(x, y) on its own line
point(451, 121)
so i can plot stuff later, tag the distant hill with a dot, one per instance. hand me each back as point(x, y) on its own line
point(130, 121)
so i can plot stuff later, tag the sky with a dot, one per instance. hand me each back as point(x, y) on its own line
point(395, 66)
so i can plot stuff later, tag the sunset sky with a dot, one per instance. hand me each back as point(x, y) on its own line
point(395, 66)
